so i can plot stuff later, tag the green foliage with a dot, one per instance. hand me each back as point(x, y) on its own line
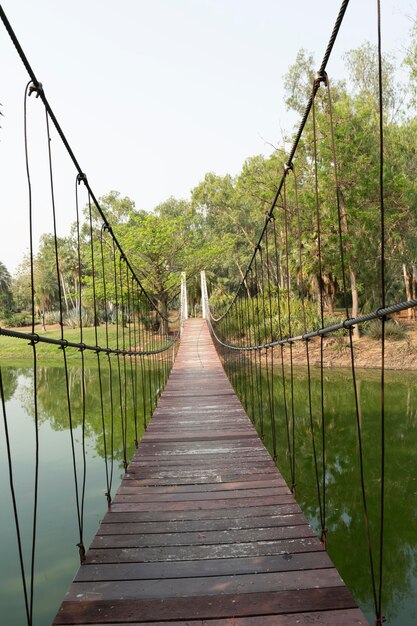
point(393, 330)
point(22, 318)
point(72, 318)
point(6, 296)
point(260, 319)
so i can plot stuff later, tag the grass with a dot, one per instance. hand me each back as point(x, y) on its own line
point(13, 349)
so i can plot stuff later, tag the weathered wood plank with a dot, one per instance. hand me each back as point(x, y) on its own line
point(205, 607)
point(210, 567)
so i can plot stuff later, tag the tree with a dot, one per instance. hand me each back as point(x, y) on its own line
point(6, 296)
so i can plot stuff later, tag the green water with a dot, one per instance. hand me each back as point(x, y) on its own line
point(344, 516)
point(57, 555)
point(57, 527)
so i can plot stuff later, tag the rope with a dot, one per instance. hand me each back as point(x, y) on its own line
point(26, 594)
point(35, 388)
point(379, 616)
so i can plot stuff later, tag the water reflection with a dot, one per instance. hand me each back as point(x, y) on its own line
point(346, 535)
point(57, 534)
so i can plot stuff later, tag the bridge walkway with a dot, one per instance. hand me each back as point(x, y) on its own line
point(203, 530)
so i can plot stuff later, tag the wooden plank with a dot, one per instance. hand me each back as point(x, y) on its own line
point(129, 494)
point(226, 606)
point(205, 586)
point(224, 486)
point(218, 551)
point(209, 567)
point(200, 538)
point(203, 530)
point(190, 515)
point(198, 526)
point(344, 617)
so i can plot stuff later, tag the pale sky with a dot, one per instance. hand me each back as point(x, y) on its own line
point(152, 94)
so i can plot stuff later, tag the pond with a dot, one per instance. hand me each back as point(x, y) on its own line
point(347, 544)
point(57, 526)
point(57, 536)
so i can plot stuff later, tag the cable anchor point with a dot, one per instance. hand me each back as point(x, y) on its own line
point(81, 552)
point(108, 497)
point(37, 89)
point(321, 77)
point(288, 167)
point(82, 178)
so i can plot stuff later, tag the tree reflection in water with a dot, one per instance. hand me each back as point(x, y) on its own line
point(347, 544)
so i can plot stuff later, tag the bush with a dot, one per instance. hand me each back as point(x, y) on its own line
point(393, 330)
point(22, 318)
point(52, 317)
point(73, 318)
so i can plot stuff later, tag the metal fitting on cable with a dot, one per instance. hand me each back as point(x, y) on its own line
point(82, 178)
point(34, 340)
point(37, 89)
point(321, 78)
point(81, 552)
point(380, 315)
point(288, 167)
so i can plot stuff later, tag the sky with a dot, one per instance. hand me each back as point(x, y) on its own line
point(153, 94)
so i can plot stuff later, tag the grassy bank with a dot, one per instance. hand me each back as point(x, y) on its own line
point(13, 349)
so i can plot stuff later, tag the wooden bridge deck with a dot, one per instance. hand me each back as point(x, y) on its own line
point(203, 530)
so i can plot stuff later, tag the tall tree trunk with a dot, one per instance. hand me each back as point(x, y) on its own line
point(355, 301)
point(163, 307)
point(64, 291)
point(408, 291)
point(243, 278)
point(352, 273)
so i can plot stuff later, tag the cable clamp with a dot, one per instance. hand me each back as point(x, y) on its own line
point(34, 340)
point(64, 344)
point(81, 552)
point(321, 78)
point(381, 316)
point(288, 167)
point(108, 496)
point(82, 178)
point(82, 347)
point(37, 89)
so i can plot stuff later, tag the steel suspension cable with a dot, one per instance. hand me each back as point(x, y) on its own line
point(33, 343)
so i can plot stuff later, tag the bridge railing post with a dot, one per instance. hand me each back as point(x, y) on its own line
point(204, 295)
point(184, 301)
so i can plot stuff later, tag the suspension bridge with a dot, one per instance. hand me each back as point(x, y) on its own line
point(203, 529)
